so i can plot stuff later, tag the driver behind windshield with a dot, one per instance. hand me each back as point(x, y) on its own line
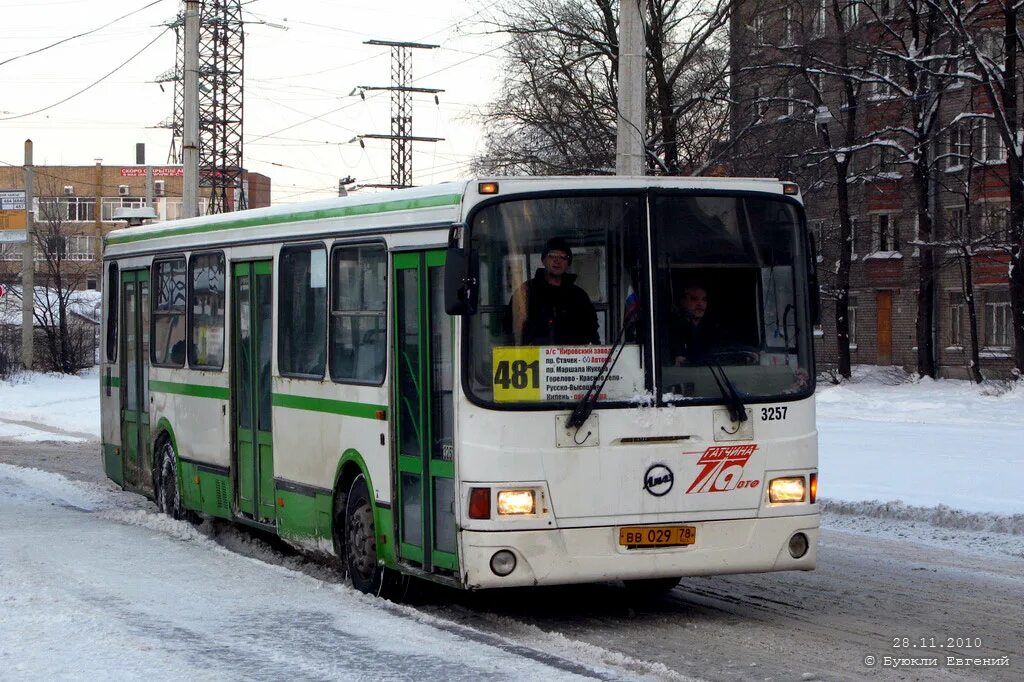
point(550, 309)
point(694, 335)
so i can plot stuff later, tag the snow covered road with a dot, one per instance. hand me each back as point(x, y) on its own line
point(94, 584)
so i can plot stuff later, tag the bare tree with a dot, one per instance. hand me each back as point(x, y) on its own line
point(912, 65)
point(834, 67)
point(65, 263)
point(556, 111)
point(991, 33)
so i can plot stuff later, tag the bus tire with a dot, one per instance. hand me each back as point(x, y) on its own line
point(361, 548)
point(165, 483)
point(649, 588)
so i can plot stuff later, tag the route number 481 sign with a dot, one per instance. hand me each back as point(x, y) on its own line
point(562, 373)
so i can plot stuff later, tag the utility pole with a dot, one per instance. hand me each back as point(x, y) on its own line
point(28, 265)
point(401, 111)
point(190, 133)
point(632, 115)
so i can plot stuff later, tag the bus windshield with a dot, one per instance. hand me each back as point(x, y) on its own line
point(564, 279)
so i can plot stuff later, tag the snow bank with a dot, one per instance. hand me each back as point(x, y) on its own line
point(906, 444)
point(64, 402)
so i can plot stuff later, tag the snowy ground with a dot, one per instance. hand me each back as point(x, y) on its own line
point(93, 582)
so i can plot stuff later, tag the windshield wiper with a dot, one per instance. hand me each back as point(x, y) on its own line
point(737, 410)
point(586, 404)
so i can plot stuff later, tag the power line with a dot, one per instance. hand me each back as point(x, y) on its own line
point(90, 85)
point(80, 35)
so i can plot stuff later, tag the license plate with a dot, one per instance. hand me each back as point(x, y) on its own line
point(657, 536)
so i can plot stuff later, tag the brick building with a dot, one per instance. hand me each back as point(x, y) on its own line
point(792, 107)
point(80, 201)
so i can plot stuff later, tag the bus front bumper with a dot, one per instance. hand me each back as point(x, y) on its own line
point(579, 555)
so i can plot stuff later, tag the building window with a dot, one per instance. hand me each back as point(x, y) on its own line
point(760, 102)
point(168, 338)
point(206, 301)
point(67, 209)
point(998, 327)
point(887, 160)
point(820, 18)
point(991, 44)
point(358, 314)
point(995, 222)
point(759, 27)
point(110, 204)
point(992, 147)
point(882, 86)
point(12, 250)
point(955, 225)
point(956, 319)
point(818, 232)
point(851, 13)
point(883, 8)
point(958, 146)
point(787, 26)
point(886, 234)
point(851, 312)
point(302, 311)
point(80, 247)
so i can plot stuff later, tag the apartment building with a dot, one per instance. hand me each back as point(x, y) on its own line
point(821, 81)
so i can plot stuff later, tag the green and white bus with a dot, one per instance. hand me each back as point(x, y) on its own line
point(351, 375)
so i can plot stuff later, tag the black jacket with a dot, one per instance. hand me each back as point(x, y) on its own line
point(554, 315)
point(695, 342)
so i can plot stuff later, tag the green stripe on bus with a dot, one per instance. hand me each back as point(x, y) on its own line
point(300, 402)
point(113, 382)
point(194, 390)
point(261, 221)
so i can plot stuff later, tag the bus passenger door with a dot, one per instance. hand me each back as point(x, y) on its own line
point(423, 412)
point(252, 324)
point(136, 459)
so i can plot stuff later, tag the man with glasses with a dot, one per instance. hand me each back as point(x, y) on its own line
point(550, 309)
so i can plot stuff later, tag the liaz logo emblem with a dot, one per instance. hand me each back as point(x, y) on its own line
point(658, 480)
point(723, 469)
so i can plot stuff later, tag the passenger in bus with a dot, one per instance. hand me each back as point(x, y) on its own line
point(550, 309)
point(694, 336)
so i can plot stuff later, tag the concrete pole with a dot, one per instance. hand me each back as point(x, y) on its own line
point(98, 221)
point(28, 269)
point(190, 132)
point(632, 116)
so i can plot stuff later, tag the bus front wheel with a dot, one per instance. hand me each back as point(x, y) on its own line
point(165, 483)
point(361, 548)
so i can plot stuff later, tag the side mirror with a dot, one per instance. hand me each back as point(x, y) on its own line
point(460, 291)
point(812, 279)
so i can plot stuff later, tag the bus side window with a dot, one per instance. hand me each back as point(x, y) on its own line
point(358, 314)
point(206, 311)
point(302, 311)
point(168, 338)
point(113, 284)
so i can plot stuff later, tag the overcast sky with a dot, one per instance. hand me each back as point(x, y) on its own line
point(299, 115)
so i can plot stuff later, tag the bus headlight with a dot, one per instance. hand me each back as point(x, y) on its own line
point(516, 502)
point(787, 489)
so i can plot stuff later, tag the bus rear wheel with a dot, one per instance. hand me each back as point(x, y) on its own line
point(361, 548)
